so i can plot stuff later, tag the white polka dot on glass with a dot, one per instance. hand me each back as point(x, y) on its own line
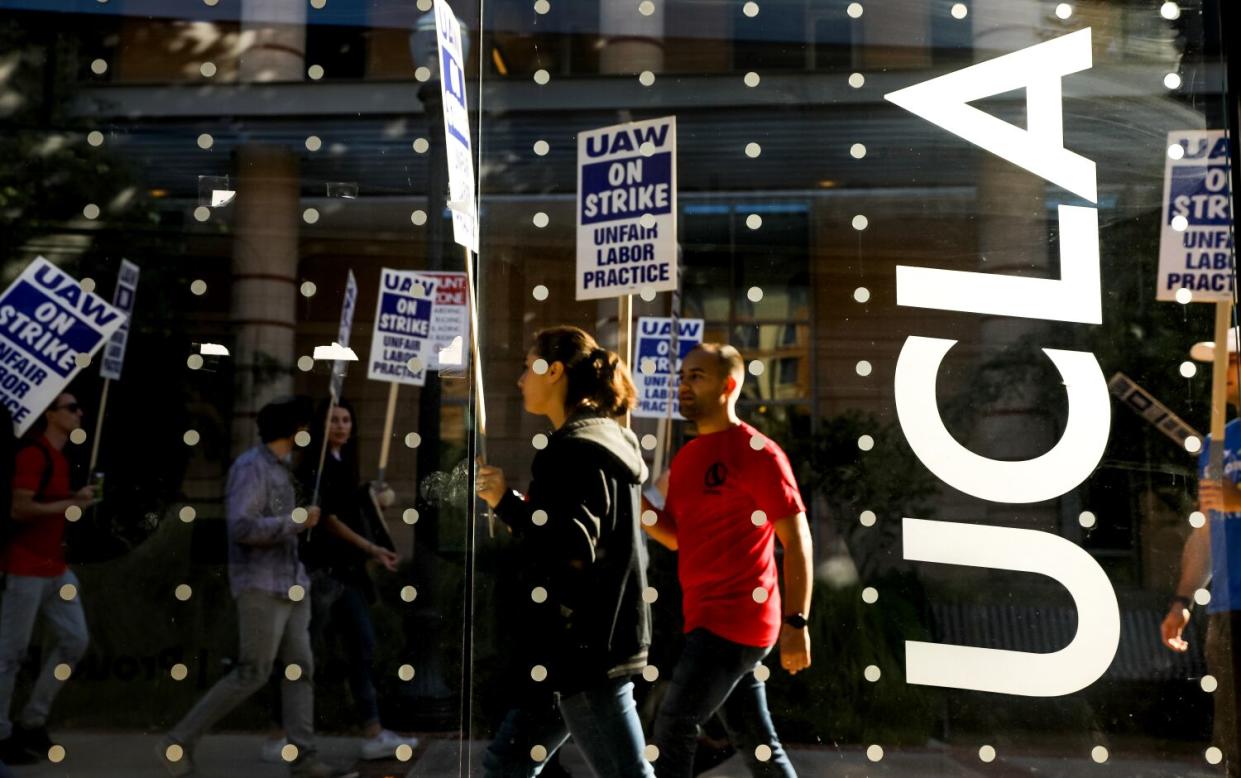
point(191, 437)
point(78, 436)
point(987, 754)
point(646, 78)
point(299, 515)
point(870, 595)
point(754, 221)
point(538, 594)
point(1193, 445)
point(646, 7)
point(421, 145)
point(94, 138)
point(542, 6)
point(314, 143)
point(538, 518)
point(310, 215)
point(1170, 11)
point(758, 518)
point(538, 673)
point(318, 4)
point(539, 441)
point(540, 365)
point(1213, 755)
point(87, 284)
point(1208, 683)
point(863, 368)
point(860, 222)
point(760, 595)
point(302, 438)
point(1184, 296)
point(874, 753)
point(1064, 11)
point(424, 5)
point(857, 150)
point(650, 518)
point(762, 673)
point(754, 294)
point(91, 211)
point(757, 368)
point(866, 443)
point(293, 672)
point(1197, 519)
point(305, 363)
point(315, 72)
point(1099, 754)
point(308, 289)
point(750, 9)
point(647, 294)
point(414, 364)
point(289, 753)
point(179, 672)
point(647, 149)
point(413, 440)
point(538, 753)
point(207, 69)
point(56, 754)
point(541, 148)
point(872, 673)
point(194, 361)
point(648, 366)
point(404, 752)
point(854, 10)
point(757, 442)
point(1172, 81)
point(541, 77)
point(650, 594)
point(649, 442)
point(418, 217)
point(99, 67)
point(541, 220)
point(1180, 223)
point(752, 79)
point(422, 74)
point(205, 141)
point(763, 753)
point(68, 592)
point(867, 518)
point(198, 288)
point(959, 11)
point(752, 150)
point(62, 672)
point(651, 752)
point(650, 673)
point(187, 514)
point(73, 513)
point(410, 516)
point(1087, 519)
point(174, 753)
point(408, 594)
point(857, 80)
point(861, 294)
point(1188, 370)
point(1202, 596)
point(405, 673)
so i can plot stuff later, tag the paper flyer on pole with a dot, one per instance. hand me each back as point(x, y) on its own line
point(49, 328)
point(450, 323)
point(344, 332)
point(627, 209)
point(122, 300)
point(656, 367)
point(1195, 240)
point(460, 151)
point(400, 343)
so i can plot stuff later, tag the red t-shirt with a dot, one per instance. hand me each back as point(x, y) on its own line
point(717, 483)
point(36, 547)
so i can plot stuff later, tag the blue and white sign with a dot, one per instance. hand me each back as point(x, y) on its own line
point(1195, 243)
point(122, 300)
point(657, 365)
point(460, 151)
point(400, 344)
point(627, 209)
point(347, 308)
point(49, 329)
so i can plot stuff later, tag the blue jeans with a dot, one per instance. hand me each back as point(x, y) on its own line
point(343, 608)
point(22, 600)
point(715, 675)
point(602, 720)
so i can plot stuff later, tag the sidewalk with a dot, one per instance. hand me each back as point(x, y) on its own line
point(108, 755)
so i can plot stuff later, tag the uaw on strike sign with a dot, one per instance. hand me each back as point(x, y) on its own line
point(49, 328)
point(1195, 242)
point(657, 368)
point(400, 343)
point(627, 209)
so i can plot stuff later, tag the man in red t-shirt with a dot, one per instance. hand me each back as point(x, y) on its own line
point(730, 494)
point(37, 581)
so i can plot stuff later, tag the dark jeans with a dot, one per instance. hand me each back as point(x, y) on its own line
point(1224, 662)
point(343, 609)
point(603, 721)
point(715, 675)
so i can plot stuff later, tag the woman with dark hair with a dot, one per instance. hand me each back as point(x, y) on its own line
point(583, 564)
point(336, 556)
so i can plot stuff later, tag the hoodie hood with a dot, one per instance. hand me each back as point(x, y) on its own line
point(616, 441)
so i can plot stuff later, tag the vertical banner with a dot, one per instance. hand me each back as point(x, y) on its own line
point(400, 341)
point(1195, 242)
point(347, 308)
point(460, 152)
point(123, 301)
point(450, 322)
point(660, 349)
point(49, 329)
point(627, 209)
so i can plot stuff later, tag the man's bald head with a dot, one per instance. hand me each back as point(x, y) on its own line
point(726, 359)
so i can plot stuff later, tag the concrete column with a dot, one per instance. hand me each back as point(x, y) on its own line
point(631, 42)
point(266, 218)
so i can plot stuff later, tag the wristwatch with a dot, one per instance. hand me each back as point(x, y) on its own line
point(796, 620)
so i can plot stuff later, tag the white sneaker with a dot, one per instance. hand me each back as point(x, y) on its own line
point(385, 744)
point(272, 750)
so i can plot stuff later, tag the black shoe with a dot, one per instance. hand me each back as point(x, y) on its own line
point(34, 738)
point(14, 752)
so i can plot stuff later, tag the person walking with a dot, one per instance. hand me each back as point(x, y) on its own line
point(730, 494)
point(584, 564)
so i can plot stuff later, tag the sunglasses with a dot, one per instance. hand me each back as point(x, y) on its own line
point(71, 407)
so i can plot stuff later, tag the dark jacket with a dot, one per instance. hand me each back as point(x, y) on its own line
point(580, 540)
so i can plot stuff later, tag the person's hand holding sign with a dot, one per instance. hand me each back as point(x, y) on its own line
point(491, 484)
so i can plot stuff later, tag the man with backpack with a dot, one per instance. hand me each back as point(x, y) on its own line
point(36, 580)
